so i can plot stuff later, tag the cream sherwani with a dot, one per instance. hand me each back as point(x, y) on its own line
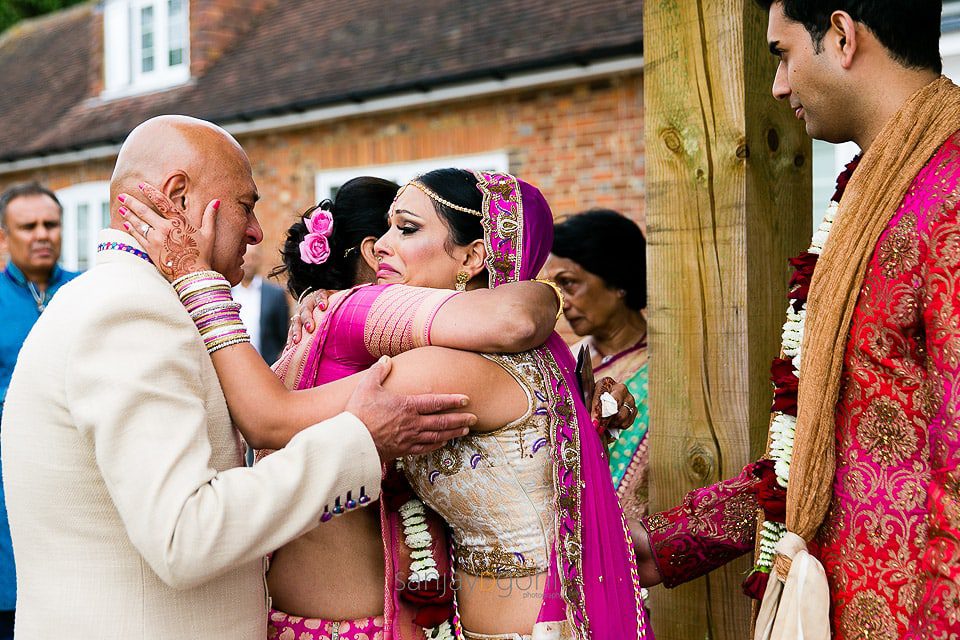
point(130, 512)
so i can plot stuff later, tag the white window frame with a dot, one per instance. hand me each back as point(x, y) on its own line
point(123, 73)
point(79, 235)
point(401, 172)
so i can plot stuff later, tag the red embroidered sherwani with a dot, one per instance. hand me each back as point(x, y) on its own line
point(891, 541)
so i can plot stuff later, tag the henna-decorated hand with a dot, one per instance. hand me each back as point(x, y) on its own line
point(174, 244)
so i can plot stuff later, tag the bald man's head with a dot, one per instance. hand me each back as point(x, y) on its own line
point(193, 162)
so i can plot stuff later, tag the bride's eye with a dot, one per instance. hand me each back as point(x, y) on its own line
point(407, 229)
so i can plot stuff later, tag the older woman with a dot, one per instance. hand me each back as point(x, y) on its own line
point(527, 494)
point(599, 261)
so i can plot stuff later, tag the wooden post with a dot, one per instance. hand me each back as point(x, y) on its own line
point(728, 201)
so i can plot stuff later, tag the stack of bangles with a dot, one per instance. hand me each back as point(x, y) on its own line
point(206, 297)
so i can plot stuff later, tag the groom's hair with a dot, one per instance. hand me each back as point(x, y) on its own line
point(910, 31)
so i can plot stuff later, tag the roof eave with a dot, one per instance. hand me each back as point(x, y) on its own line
point(566, 69)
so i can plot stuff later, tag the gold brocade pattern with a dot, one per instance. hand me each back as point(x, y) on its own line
point(494, 563)
point(895, 423)
point(502, 520)
point(885, 432)
point(502, 201)
point(740, 515)
point(900, 250)
point(868, 617)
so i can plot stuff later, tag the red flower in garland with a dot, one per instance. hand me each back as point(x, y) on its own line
point(844, 178)
point(435, 600)
point(394, 489)
point(803, 265)
point(785, 386)
point(771, 496)
point(756, 585)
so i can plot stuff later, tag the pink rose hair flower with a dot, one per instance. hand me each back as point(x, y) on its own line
point(320, 222)
point(315, 247)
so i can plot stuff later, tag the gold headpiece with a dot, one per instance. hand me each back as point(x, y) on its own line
point(434, 196)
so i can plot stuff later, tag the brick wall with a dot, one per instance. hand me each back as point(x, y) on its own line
point(582, 144)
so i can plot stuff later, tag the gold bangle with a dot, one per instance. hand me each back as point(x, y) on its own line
point(303, 295)
point(556, 289)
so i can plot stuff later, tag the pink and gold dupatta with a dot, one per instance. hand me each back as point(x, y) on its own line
point(592, 582)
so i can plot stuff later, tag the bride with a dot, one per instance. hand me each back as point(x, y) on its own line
point(540, 544)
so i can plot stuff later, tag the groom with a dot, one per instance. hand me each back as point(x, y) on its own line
point(131, 513)
point(874, 486)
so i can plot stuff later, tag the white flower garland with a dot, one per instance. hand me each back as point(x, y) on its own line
point(416, 534)
point(783, 427)
point(443, 631)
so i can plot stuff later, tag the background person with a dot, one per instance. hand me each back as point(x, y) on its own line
point(30, 223)
point(599, 261)
point(264, 308)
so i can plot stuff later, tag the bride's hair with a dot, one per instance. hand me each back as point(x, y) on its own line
point(359, 210)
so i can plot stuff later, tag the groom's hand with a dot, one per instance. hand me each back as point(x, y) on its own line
point(402, 425)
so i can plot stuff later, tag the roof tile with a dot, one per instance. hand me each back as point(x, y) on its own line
point(298, 54)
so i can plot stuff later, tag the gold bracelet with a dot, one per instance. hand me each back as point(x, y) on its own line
point(556, 289)
point(303, 295)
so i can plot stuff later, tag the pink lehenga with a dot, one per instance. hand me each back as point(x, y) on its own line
point(592, 589)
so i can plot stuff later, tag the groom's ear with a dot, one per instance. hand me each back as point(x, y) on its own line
point(176, 188)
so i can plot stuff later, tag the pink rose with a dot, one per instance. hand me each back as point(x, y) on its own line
point(314, 249)
point(321, 222)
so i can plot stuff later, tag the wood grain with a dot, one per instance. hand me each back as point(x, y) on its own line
point(728, 201)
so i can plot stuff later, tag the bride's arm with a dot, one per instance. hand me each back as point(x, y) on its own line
point(511, 318)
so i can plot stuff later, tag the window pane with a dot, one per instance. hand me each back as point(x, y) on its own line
point(83, 236)
point(176, 31)
point(104, 215)
point(146, 39)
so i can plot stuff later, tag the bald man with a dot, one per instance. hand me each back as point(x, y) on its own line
point(131, 513)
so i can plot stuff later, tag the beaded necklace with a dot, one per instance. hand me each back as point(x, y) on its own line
point(119, 246)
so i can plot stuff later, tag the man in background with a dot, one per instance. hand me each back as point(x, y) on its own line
point(30, 217)
point(264, 309)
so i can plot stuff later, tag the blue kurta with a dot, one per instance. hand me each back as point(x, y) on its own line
point(19, 311)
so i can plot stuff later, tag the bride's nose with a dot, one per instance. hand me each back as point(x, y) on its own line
point(380, 247)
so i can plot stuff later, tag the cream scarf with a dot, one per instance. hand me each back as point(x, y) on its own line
point(876, 190)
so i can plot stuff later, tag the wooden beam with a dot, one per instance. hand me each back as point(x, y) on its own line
point(728, 201)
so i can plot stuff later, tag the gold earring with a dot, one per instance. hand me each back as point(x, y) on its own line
point(462, 278)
